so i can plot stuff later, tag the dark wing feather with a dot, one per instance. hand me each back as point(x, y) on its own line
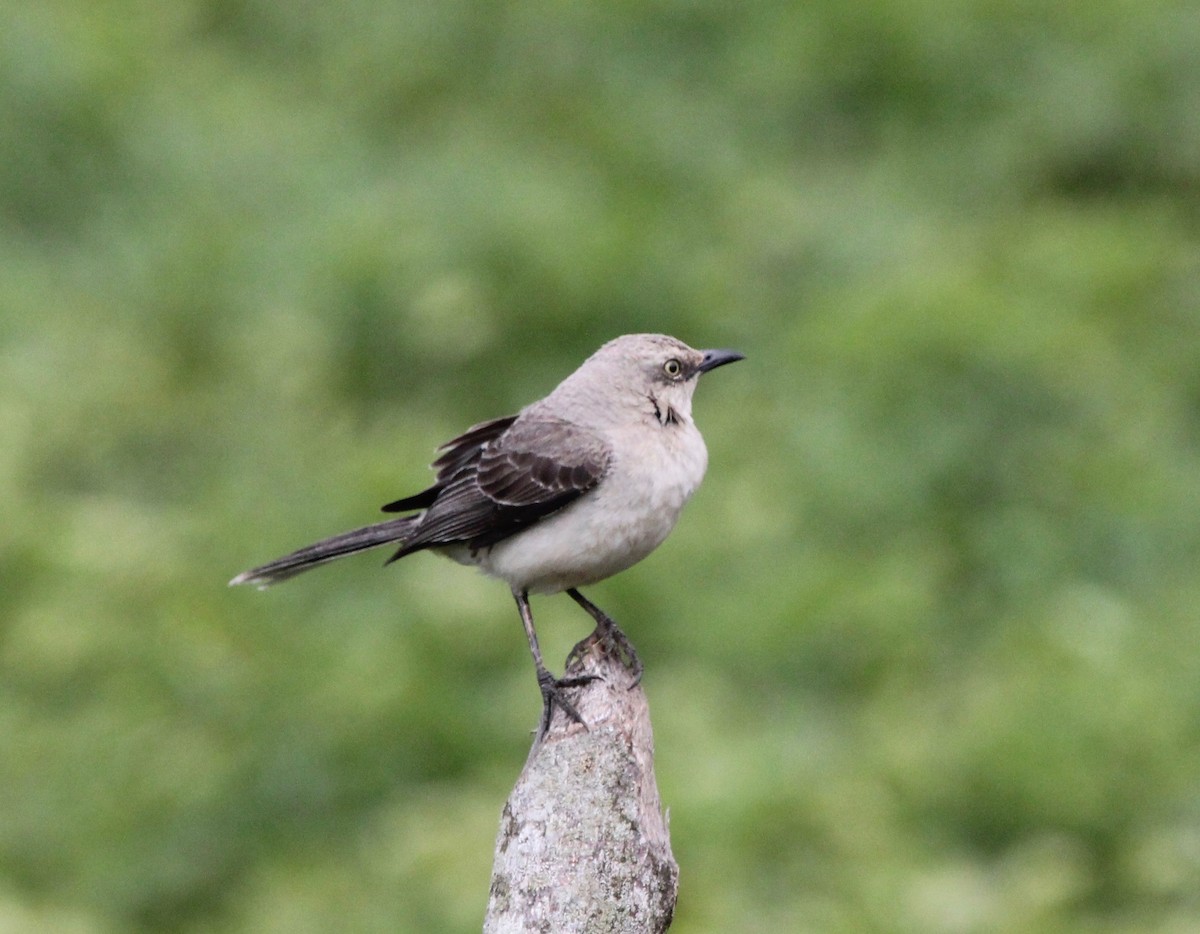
point(422, 500)
point(462, 452)
point(466, 447)
point(535, 467)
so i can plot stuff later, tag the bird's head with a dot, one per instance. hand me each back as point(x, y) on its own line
point(653, 372)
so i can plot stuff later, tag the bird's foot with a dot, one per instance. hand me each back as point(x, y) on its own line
point(609, 636)
point(553, 694)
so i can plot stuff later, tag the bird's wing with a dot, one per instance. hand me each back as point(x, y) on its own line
point(466, 447)
point(537, 465)
point(461, 453)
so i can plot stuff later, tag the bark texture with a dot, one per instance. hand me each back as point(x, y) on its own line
point(583, 843)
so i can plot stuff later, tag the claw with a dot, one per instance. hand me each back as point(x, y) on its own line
point(608, 634)
point(617, 642)
point(614, 642)
point(553, 694)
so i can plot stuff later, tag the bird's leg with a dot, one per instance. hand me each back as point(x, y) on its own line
point(608, 632)
point(551, 687)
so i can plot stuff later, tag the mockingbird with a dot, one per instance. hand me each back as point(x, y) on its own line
point(572, 489)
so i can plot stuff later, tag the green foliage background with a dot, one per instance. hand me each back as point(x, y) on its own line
point(922, 654)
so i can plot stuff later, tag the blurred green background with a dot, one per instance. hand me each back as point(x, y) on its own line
point(922, 654)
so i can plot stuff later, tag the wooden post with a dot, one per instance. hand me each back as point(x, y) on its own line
point(583, 843)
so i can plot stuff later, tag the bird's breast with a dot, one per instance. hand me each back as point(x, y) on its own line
point(615, 525)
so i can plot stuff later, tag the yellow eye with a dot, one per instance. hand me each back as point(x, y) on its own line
point(672, 368)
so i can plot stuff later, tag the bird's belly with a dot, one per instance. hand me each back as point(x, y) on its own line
point(599, 535)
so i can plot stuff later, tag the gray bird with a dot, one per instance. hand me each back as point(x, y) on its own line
point(571, 490)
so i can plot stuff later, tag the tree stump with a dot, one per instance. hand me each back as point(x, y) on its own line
point(583, 843)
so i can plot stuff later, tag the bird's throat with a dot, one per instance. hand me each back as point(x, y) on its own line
point(666, 415)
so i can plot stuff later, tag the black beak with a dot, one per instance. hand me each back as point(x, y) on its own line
point(715, 358)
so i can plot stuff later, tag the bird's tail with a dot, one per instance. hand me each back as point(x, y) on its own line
point(328, 549)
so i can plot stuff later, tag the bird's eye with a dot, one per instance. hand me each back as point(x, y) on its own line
point(672, 368)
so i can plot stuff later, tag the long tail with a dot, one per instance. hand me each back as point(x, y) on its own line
point(328, 549)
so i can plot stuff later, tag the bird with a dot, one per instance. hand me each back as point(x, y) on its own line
point(571, 490)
